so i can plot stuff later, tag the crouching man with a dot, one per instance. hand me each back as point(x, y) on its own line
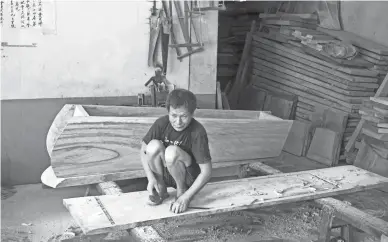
point(175, 152)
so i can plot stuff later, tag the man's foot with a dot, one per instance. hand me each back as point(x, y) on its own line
point(156, 199)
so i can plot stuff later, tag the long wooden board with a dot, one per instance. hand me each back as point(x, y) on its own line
point(131, 210)
point(284, 79)
point(357, 41)
point(330, 87)
point(312, 72)
point(261, 42)
point(100, 145)
point(273, 82)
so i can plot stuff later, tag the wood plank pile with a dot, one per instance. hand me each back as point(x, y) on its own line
point(236, 23)
point(282, 62)
point(372, 52)
point(373, 147)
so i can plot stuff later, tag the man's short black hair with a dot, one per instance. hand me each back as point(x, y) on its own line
point(181, 97)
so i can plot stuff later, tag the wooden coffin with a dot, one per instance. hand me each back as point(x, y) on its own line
point(92, 143)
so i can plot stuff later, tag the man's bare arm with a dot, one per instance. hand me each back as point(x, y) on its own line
point(144, 161)
point(200, 182)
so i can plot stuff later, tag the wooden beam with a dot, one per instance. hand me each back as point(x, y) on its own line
point(130, 210)
point(327, 215)
point(219, 96)
point(357, 218)
point(242, 68)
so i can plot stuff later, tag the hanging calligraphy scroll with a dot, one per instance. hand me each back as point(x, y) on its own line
point(21, 13)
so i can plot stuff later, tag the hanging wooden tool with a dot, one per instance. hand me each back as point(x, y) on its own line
point(165, 37)
point(167, 8)
point(154, 34)
point(183, 22)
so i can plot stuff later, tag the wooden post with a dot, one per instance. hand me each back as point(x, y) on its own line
point(384, 238)
point(325, 226)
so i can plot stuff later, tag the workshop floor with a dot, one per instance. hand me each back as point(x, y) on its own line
point(35, 214)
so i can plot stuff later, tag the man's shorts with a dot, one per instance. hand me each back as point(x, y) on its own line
point(192, 173)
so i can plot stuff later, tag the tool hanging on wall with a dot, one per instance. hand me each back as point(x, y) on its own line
point(167, 8)
point(155, 23)
point(184, 24)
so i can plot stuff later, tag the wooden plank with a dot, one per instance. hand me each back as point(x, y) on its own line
point(368, 159)
point(218, 95)
point(111, 188)
point(382, 91)
point(303, 57)
point(312, 72)
point(324, 146)
point(225, 102)
point(284, 68)
point(335, 120)
point(357, 41)
point(296, 141)
point(357, 218)
point(289, 23)
point(324, 228)
point(99, 145)
point(384, 238)
point(252, 98)
point(357, 61)
point(238, 82)
point(289, 15)
point(372, 54)
point(273, 82)
point(280, 104)
point(231, 195)
point(306, 87)
point(126, 111)
point(374, 61)
point(381, 100)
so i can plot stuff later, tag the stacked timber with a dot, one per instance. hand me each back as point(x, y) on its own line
point(241, 26)
point(280, 62)
point(374, 53)
point(373, 147)
point(227, 63)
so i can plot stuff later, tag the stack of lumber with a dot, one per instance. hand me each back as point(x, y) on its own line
point(373, 148)
point(308, 21)
point(320, 81)
point(227, 63)
point(241, 26)
point(374, 53)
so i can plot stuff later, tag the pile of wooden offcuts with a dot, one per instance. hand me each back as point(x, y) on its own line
point(309, 83)
point(373, 147)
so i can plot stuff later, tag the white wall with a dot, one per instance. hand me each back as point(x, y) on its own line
point(100, 49)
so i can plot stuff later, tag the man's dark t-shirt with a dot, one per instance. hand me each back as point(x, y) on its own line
point(193, 139)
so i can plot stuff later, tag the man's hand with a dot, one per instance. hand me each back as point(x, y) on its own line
point(153, 184)
point(180, 205)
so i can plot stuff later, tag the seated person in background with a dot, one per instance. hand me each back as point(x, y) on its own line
point(175, 152)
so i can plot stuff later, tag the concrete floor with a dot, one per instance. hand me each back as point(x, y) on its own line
point(37, 214)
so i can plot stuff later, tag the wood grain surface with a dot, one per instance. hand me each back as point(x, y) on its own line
point(131, 210)
point(97, 145)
